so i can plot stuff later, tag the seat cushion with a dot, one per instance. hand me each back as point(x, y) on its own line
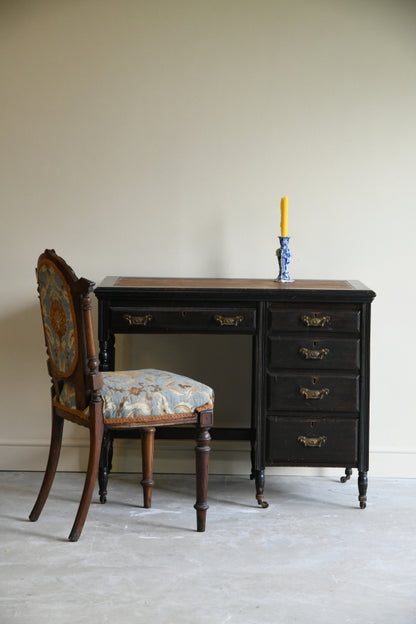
point(138, 395)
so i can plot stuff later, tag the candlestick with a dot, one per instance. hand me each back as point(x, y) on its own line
point(283, 256)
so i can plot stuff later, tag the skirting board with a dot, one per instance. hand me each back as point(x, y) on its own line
point(178, 457)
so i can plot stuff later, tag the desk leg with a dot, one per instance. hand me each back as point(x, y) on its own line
point(259, 477)
point(105, 464)
point(107, 354)
point(362, 488)
point(106, 357)
point(257, 425)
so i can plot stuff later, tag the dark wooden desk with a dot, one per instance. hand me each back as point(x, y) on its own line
point(310, 367)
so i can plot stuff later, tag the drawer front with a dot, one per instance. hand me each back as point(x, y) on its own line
point(305, 441)
point(313, 393)
point(154, 319)
point(314, 318)
point(313, 352)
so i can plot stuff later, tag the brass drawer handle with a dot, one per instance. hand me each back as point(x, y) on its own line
point(315, 321)
point(137, 320)
point(311, 354)
point(314, 394)
point(229, 321)
point(314, 442)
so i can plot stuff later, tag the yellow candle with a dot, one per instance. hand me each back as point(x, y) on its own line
point(284, 211)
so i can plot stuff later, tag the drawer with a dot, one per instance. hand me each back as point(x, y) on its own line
point(184, 319)
point(314, 318)
point(305, 441)
point(321, 392)
point(312, 352)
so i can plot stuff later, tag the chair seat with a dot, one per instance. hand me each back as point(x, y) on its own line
point(139, 395)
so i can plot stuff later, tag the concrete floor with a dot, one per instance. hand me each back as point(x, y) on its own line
point(312, 557)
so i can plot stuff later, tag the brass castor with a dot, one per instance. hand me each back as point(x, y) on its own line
point(263, 503)
point(348, 473)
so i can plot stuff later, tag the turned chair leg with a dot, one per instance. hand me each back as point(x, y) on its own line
point(96, 438)
point(202, 451)
point(54, 451)
point(148, 444)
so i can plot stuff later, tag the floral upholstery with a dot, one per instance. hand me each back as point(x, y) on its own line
point(58, 319)
point(142, 394)
point(135, 396)
point(67, 395)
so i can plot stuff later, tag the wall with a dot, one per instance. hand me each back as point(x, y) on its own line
point(157, 137)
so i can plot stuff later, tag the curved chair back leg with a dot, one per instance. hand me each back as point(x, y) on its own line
point(54, 452)
point(96, 438)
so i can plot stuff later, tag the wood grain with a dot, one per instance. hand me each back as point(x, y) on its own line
point(244, 284)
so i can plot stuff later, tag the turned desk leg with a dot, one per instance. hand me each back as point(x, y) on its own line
point(107, 354)
point(105, 465)
point(106, 357)
point(362, 489)
point(259, 479)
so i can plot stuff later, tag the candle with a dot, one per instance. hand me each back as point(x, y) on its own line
point(284, 210)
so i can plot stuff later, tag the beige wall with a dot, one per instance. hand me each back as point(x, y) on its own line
point(157, 137)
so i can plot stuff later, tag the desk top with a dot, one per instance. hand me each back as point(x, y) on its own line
point(119, 285)
point(224, 283)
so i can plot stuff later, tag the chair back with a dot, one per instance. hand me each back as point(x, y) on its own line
point(66, 314)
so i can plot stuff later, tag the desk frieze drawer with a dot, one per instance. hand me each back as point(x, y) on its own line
point(313, 393)
point(305, 441)
point(314, 318)
point(184, 319)
point(313, 352)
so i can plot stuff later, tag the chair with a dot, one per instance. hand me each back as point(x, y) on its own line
point(105, 402)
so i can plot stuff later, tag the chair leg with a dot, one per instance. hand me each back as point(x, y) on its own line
point(54, 451)
point(148, 444)
point(96, 438)
point(202, 451)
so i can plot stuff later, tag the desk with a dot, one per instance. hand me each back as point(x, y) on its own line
point(310, 364)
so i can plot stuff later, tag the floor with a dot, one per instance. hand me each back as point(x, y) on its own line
point(312, 557)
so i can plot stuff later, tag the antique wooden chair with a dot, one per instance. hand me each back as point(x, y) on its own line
point(142, 399)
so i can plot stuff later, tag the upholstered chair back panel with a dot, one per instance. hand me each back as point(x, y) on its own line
point(58, 319)
point(62, 300)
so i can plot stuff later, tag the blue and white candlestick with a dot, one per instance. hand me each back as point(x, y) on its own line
point(283, 257)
